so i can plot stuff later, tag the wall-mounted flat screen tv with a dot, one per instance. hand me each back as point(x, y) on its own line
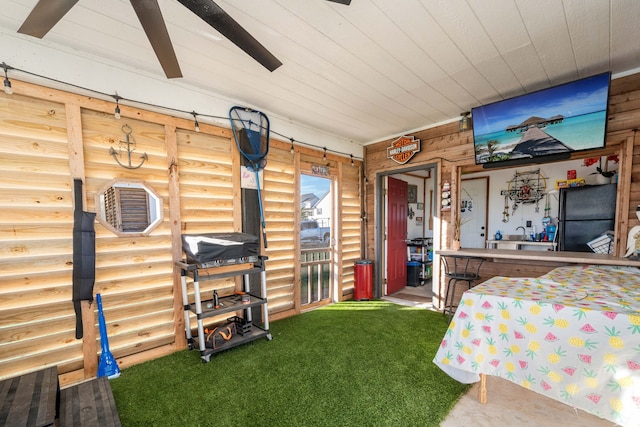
point(545, 125)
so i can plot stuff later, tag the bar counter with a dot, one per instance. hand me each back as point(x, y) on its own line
point(542, 257)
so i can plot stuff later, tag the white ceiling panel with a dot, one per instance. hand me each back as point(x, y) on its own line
point(463, 28)
point(502, 22)
point(501, 77)
point(458, 95)
point(475, 84)
point(625, 33)
point(365, 71)
point(526, 65)
point(590, 37)
point(545, 22)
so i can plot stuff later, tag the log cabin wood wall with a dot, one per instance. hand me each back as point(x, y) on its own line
point(279, 197)
point(49, 137)
point(453, 154)
point(351, 227)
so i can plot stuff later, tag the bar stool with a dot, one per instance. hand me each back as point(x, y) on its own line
point(459, 268)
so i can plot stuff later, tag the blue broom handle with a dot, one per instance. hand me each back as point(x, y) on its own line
point(104, 342)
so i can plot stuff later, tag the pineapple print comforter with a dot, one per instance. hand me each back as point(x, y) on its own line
point(572, 335)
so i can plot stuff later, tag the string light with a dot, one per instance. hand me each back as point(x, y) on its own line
point(195, 118)
point(292, 147)
point(9, 91)
point(116, 114)
point(7, 84)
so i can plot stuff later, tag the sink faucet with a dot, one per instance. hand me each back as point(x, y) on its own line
point(523, 231)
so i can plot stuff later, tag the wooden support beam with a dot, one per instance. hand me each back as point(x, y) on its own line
point(623, 208)
point(89, 347)
point(76, 169)
point(175, 224)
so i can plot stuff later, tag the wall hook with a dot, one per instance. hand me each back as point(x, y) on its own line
point(129, 146)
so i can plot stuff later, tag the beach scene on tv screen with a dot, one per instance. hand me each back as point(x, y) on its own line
point(565, 118)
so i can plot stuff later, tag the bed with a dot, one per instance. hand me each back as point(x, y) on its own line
point(572, 335)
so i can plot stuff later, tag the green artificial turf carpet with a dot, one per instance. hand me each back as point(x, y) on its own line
point(347, 364)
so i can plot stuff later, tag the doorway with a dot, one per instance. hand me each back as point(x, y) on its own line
point(419, 209)
point(474, 193)
point(316, 240)
point(396, 247)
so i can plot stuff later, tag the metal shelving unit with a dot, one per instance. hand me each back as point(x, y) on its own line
point(227, 304)
point(426, 246)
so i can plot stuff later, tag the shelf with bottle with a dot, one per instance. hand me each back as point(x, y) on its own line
point(211, 340)
point(421, 250)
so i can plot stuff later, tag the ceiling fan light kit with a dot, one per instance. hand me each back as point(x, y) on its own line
point(47, 13)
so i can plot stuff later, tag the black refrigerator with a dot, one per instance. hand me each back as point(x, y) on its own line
point(584, 214)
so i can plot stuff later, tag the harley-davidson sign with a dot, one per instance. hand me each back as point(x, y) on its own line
point(403, 149)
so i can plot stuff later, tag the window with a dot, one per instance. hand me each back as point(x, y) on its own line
point(129, 207)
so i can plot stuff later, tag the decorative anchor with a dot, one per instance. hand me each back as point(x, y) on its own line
point(130, 146)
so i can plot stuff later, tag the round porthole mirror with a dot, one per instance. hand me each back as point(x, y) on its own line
point(129, 207)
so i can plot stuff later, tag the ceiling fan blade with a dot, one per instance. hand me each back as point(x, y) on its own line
point(347, 2)
point(44, 16)
point(213, 15)
point(150, 18)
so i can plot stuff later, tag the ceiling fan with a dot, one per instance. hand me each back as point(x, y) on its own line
point(47, 13)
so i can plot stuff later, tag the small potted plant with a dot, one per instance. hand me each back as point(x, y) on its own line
point(602, 176)
point(457, 227)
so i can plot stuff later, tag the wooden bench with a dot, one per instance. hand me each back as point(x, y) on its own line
point(90, 403)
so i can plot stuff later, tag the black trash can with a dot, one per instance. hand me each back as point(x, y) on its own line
point(413, 273)
point(363, 272)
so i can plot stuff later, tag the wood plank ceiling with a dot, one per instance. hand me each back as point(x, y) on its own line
point(371, 70)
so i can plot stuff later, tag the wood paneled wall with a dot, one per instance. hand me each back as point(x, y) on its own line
point(452, 152)
point(134, 274)
point(279, 198)
point(49, 137)
point(37, 321)
point(350, 228)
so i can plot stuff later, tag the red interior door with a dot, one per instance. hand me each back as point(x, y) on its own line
point(396, 235)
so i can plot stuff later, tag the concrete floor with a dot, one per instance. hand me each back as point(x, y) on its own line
point(508, 404)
